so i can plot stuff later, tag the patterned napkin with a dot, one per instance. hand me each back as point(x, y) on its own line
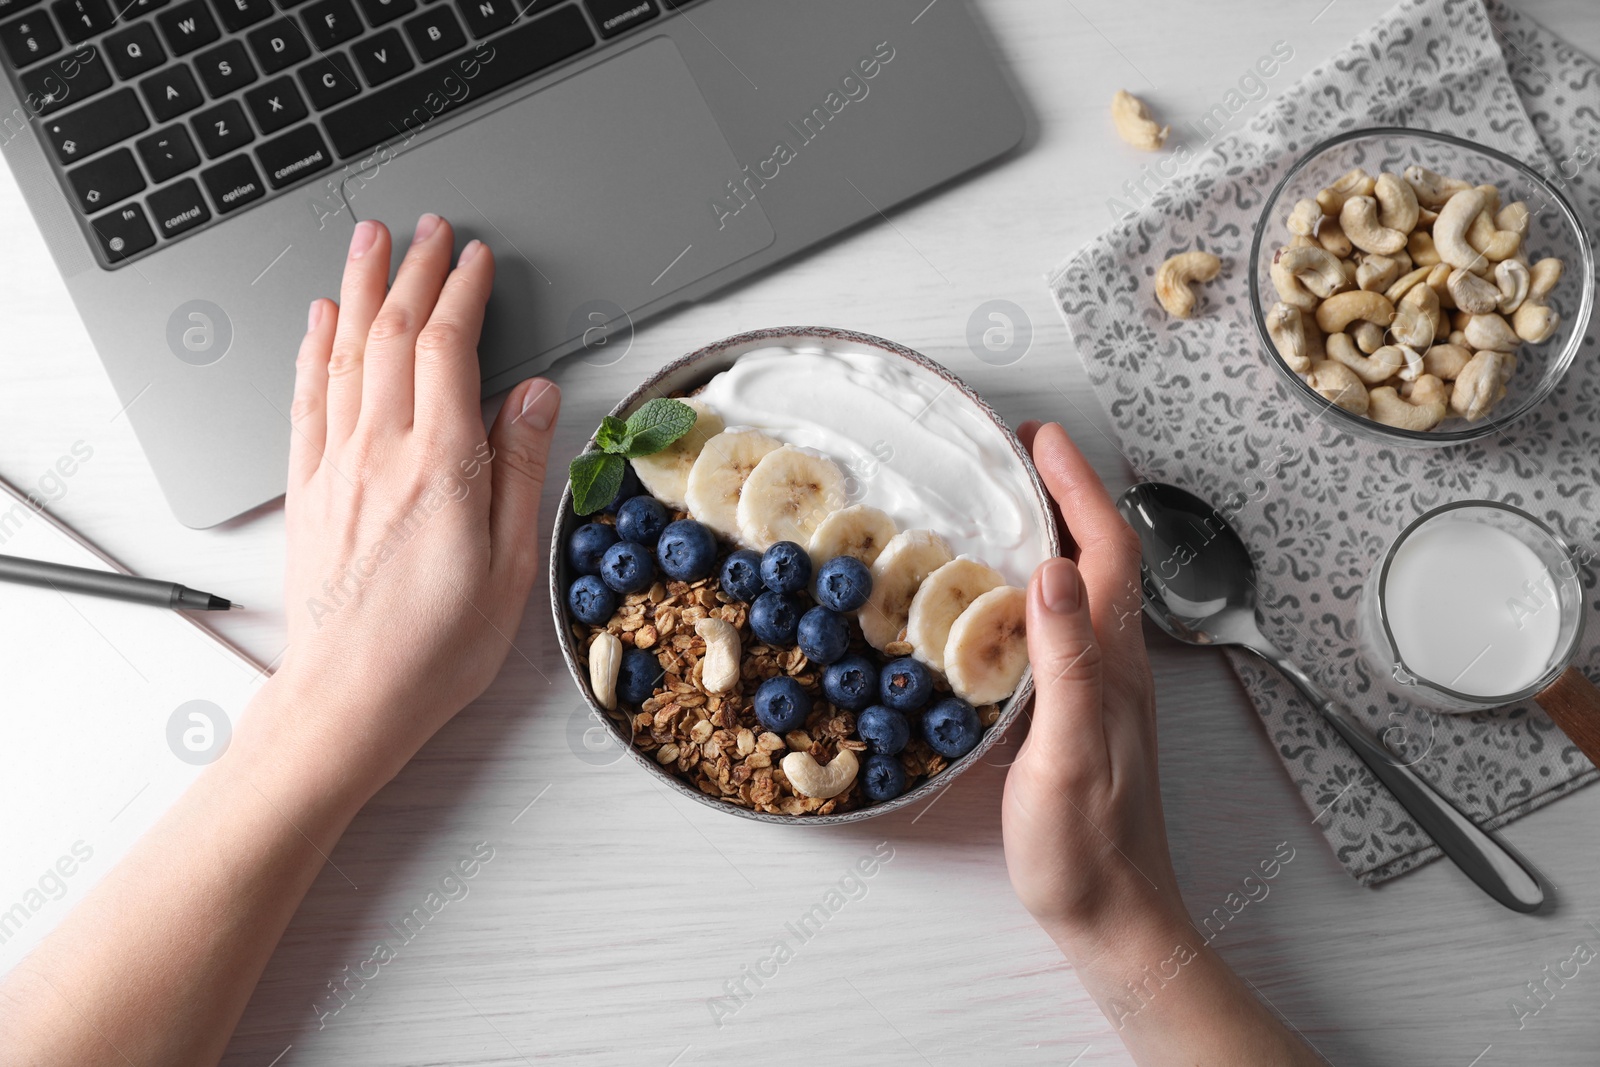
point(1196, 403)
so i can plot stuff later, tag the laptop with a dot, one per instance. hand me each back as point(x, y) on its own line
point(196, 168)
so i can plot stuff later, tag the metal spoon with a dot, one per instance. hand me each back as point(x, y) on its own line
point(1200, 587)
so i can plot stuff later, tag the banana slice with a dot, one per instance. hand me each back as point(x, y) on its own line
point(665, 475)
point(908, 558)
point(857, 531)
point(718, 475)
point(787, 496)
point(940, 600)
point(987, 650)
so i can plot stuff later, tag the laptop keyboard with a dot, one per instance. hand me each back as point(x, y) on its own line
point(163, 117)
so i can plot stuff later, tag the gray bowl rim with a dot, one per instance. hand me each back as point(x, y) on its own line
point(649, 388)
point(1364, 427)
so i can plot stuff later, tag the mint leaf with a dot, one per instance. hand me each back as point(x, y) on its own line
point(596, 477)
point(658, 424)
point(614, 435)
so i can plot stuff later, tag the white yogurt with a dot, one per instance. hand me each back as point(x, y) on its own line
point(909, 444)
point(1472, 608)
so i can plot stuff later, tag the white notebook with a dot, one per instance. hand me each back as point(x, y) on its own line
point(107, 711)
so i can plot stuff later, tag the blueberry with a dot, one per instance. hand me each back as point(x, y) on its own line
point(627, 568)
point(885, 729)
point(642, 519)
point(782, 705)
point(785, 567)
point(741, 575)
point(588, 543)
point(884, 779)
point(951, 727)
point(590, 600)
point(851, 683)
point(629, 489)
point(823, 635)
point(906, 684)
point(638, 676)
point(775, 618)
point(687, 551)
point(844, 583)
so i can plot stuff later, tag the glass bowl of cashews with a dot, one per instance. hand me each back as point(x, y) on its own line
point(1416, 288)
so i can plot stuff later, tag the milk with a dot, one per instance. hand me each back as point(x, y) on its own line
point(1472, 608)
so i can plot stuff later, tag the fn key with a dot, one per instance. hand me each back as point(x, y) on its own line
point(123, 232)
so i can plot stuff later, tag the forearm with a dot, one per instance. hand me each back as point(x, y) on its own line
point(157, 962)
point(1174, 1001)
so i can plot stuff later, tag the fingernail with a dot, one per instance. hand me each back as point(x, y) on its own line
point(469, 253)
point(314, 315)
point(366, 233)
point(1060, 585)
point(425, 227)
point(540, 402)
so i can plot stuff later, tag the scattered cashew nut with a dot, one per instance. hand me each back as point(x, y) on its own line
point(719, 667)
point(812, 779)
point(1480, 383)
point(1377, 273)
point(1135, 124)
point(605, 661)
point(1375, 369)
point(1542, 278)
point(1288, 332)
point(1433, 189)
point(1303, 275)
point(1359, 220)
point(1422, 410)
point(1450, 231)
point(1495, 244)
point(1397, 203)
point(1513, 281)
point(1416, 317)
point(1341, 309)
point(1356, 182)
point(1472, 293)
point(1490, 331)
point(1338, 384)
point(1535, 322)
point(1174, 276)
point(1304, 218)
point(1445, 361)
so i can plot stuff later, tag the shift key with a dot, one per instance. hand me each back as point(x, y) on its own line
point(106, 121)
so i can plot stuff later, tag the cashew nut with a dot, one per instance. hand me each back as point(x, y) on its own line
point(1416, 317)
point(1490, 331)
point(1495, 244)
point(1135, 125)
point(1479, 385)
point(1450, 231)
point(1338, 384)
point(1356, 182)
point(1330, 235)
point(810, 778)
point(1535, 322)
point(1513, 280)
point(1359, 220)
point(1375, 369)
point(1397, 202)
point(1445, 361)
point(1542, 278)
point(1457, 338)
point(1514, 216)
point(1302, 275)
point(1433, 189)
point(1403, 284)
point(719, 667)
point(1439, 281)
point(1472, 293)
point(1368, 335)
point(1377, 273)
point(1420, 246)
point(1173, 278)
point(1426, 217)
point(1341, 309)
point(1422, 410)
point(1287, 329)
point(605, 661)
point(1304, 218)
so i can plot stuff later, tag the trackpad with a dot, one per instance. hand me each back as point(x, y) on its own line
point(595, 193)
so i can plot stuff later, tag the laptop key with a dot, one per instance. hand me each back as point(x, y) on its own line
point(81, 133)
point(171, 93)
point(82, 19)
point(11, 7)
point(221, 129)
point(128, 10)
point(167, 153)
point(187, 27)
point(123, 232)
point(238, 14)
point(291, 157)
point(29, 39)
point(331, 22)
point(382, 57)
point(329, 80)
point(435, 33)
point(233, 183)
point(276, 104)
point(64, 82)
point(380, 11)
point(618, 16)
point(225, 68)
point(104, 181)
point(486, 16)
point(134, 50)
point(527, 49)
point(278, 45)
point(178, 208)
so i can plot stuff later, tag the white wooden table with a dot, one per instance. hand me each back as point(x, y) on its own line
point(611, 913)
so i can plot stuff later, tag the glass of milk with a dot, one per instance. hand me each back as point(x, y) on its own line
point(1474, 606)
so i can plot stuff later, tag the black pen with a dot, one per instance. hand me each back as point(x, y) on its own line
point(66, 579)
